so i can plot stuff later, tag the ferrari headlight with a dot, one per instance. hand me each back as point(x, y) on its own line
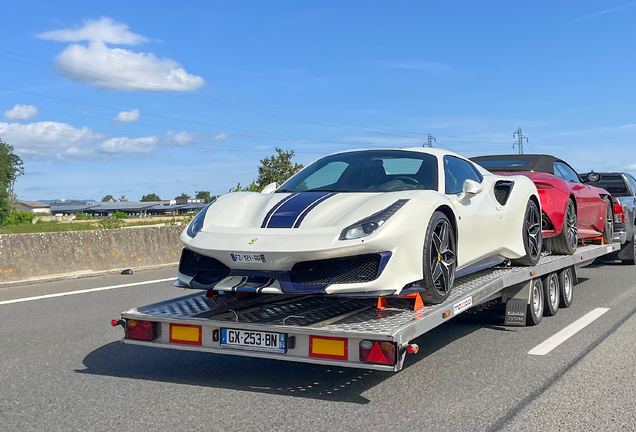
point(368, 225)
point(197, 222)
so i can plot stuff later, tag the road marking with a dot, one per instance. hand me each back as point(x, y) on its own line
point(551, 343)
point(48, 296)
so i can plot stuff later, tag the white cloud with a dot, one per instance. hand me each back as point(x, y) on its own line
point(117, 68)
point(128, 145)
point(127, 116)
point(219, 137)
point(60, 140)
point(21, 112)
point(419, 65)
point(606, 11)
point(631, 167)
point(105, 30)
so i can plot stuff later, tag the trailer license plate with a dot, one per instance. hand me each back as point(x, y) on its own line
point(248, 258)
point(253, 340)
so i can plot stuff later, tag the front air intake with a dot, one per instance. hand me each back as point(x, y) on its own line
point(354, 269)
point(204, 270)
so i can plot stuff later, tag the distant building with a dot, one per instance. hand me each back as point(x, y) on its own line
point(34, 207)
point(189, 201)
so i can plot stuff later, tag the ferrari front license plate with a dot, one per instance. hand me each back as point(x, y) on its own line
point(248, 258)
point(253, 340)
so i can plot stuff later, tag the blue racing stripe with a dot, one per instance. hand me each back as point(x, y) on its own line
point(286, 214)
point(276, 207)
point(310, 208)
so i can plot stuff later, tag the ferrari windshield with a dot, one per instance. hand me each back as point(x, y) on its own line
point(367, 171)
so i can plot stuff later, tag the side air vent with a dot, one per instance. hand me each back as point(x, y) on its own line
point(502, 191)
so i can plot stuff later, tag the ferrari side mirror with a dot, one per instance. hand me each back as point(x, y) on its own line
point(270, 188)
point(470, 189)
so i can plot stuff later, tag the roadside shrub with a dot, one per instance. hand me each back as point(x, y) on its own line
point(19, 218)
point(120, 215)
point(186, 220)
point(82, 216)
point(111, 223)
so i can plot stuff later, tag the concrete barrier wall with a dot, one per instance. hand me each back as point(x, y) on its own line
point(26, 257)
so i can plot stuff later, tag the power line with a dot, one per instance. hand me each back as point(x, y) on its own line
point(520, 138)
point(219, 102)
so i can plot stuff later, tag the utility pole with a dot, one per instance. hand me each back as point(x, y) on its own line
point(429, 143)
point(520, 139)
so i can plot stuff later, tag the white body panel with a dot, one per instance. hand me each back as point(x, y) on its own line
point(485, 229)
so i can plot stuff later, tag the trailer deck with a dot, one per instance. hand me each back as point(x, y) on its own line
point(329, 330)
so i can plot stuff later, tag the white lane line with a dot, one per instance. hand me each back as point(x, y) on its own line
point(551, 343)
point(63, 294)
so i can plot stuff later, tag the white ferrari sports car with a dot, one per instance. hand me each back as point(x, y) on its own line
point(365, 223)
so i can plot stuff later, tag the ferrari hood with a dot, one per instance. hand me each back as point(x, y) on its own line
point(296, 210)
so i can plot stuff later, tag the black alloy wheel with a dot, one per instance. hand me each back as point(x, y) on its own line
point(608, 228)
point(532, 235)
point(566, 242)
point(440, 259)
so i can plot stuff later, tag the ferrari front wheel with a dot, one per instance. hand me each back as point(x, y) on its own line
point(440, 259)
point(566, 242)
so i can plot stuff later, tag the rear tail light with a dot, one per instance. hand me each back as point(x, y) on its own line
point(619, 215)
point(382, 352)
point(541, 185)
point(141, 330)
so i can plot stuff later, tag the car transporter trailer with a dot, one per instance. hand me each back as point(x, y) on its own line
point(344, 331)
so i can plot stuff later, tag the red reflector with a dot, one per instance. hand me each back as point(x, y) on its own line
point(146, 331)
point(619, 215)
point(378, 352)
point(114, 323)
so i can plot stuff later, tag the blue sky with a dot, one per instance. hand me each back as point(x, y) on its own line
point(129, 98)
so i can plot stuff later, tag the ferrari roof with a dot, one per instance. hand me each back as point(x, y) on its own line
point(518, 162)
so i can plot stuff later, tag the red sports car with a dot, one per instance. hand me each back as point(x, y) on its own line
point(571, 210)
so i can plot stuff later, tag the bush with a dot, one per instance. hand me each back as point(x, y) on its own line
point(82, 216)
point(120, 215)
point(111, 223)
point(19, 218)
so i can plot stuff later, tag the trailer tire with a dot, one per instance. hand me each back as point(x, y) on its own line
point(439, 260)
point(551, 293)
point(535, 304)
point(566, 283)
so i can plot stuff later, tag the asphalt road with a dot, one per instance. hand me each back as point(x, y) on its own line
point(62, 368)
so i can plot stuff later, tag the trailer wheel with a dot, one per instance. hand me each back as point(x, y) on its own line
point(439, 260)
point(566, 282)
point(535, 306)
point(551, 294)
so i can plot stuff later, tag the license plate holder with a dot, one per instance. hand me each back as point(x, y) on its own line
point(250, 340)
point(251, 258)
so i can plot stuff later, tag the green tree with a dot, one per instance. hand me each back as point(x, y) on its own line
point(205, 196)
point(252, 187)
point(11, 167)
point(150, 197)
point(108, 198)
point(277, 168)
point(182, 196)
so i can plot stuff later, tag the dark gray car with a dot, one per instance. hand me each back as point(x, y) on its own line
point(622, 186)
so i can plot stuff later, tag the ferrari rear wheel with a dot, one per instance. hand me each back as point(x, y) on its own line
point(532, 238)
point(440, 260)
point(566, 242)
point(608, 228)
